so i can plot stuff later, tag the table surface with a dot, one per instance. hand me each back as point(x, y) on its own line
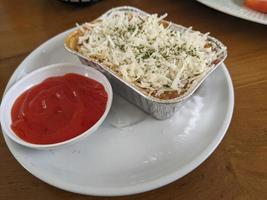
point(238, 167)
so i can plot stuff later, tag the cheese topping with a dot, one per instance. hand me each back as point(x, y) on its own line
point(143, 51)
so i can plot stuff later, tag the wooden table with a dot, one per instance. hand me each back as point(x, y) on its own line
point(238, 167)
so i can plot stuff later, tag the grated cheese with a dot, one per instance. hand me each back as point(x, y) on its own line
point(144, 52)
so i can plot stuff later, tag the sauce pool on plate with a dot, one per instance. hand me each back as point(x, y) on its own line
point(58, 109)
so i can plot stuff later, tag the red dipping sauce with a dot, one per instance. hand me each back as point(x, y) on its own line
point(58, 109)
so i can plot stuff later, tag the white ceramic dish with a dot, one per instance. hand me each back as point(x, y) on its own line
point(35, 78)
point(131, 152)
point(237, 9)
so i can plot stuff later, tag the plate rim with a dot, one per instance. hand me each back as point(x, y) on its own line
point(139, 188)
point(225, 10)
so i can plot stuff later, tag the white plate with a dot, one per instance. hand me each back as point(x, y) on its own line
point(131, 152)
point(237, 9)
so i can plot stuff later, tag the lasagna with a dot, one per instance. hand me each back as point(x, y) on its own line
point(148, 52)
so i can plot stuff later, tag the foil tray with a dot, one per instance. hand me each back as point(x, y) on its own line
point(159, 109)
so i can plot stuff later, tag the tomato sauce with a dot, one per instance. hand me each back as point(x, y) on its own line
point(58, 109)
